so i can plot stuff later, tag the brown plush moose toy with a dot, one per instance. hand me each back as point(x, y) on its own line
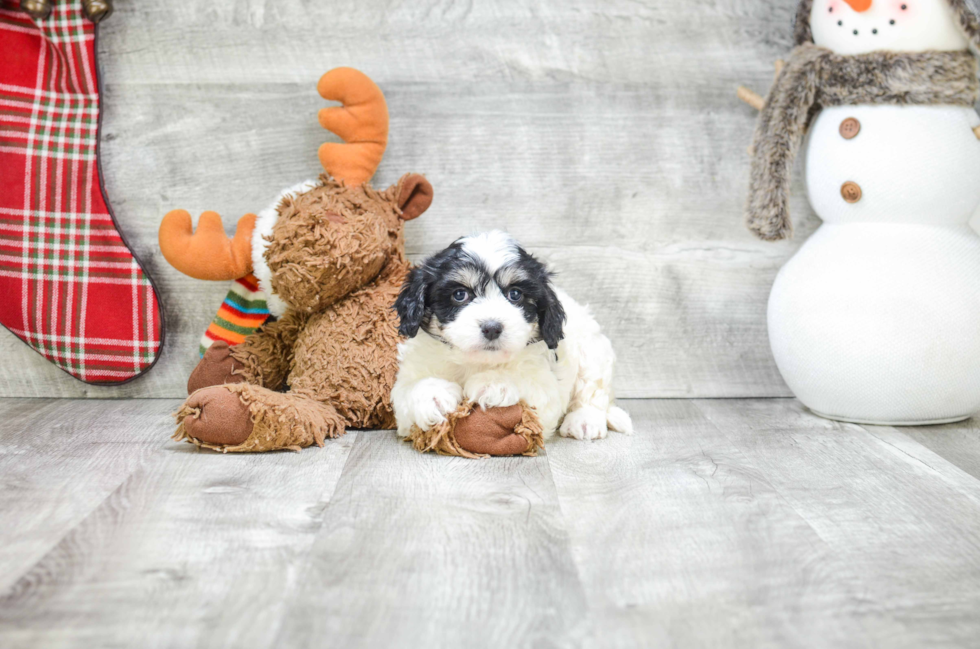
point(330, 258)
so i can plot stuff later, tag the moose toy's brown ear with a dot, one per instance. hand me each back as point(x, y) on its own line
point(414, 196)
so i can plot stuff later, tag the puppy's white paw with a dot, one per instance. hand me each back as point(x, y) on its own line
point(489, 392)
point(587, 422)
point(432, 399)
point(619, 420)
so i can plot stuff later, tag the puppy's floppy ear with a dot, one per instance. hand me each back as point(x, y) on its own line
point(414, 196)
point(410, 304)
point(551, 317)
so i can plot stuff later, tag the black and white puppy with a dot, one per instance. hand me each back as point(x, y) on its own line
point(484, 323)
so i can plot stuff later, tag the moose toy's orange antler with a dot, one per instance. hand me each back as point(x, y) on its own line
point(207, 253)
point(362, 122)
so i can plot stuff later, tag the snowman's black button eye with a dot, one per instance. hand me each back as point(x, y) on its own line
point(855, 32)
point(874, 31)
point(904, 7)
point(891, 22)
point(840, 23)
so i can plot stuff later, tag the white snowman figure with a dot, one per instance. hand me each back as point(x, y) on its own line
point(877, 318)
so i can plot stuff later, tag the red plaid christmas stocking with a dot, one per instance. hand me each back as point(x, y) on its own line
point(69, 286)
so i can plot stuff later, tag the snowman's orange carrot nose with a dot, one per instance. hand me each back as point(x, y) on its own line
point(859, 5)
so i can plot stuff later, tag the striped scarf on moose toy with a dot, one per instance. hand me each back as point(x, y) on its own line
point(243, 311)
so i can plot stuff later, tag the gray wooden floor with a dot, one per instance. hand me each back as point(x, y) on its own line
point(720, 523)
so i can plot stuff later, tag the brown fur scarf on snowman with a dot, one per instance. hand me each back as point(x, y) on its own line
point(330, 257)
point(856, 52)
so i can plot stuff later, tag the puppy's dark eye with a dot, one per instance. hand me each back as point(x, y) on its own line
point(515, 294)
point(460, 295)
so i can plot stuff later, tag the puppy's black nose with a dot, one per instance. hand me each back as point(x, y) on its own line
point(491, 329)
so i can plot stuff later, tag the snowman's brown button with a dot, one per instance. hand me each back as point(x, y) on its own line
point(851, 192)
point(850, 128)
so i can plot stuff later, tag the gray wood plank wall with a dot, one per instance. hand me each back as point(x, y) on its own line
point(604, 134)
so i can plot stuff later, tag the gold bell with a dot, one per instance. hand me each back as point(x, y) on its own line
point(97, 10)
point(38, 9)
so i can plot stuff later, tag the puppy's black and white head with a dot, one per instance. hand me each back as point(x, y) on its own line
point(483, 295)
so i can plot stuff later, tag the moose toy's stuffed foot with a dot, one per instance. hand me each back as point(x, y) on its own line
point(243, 418)
point(215, 418)
point(217, 367)
point(472, 432)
